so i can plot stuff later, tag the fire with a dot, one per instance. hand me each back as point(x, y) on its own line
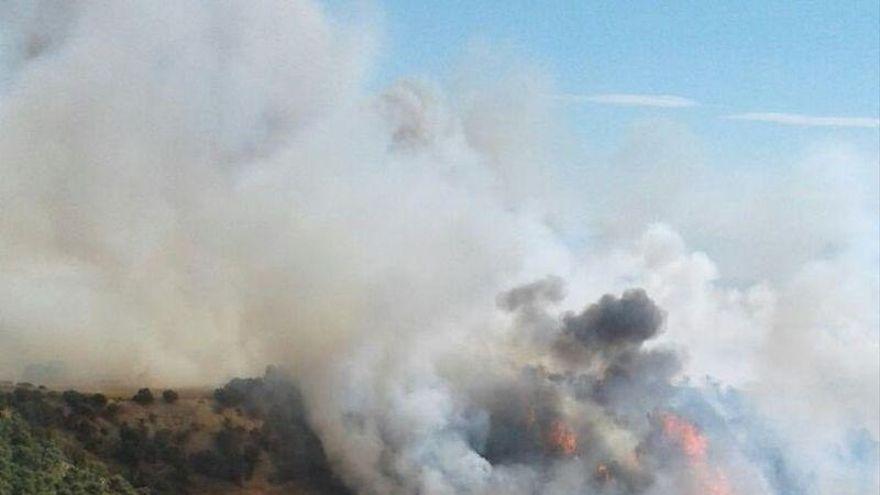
point(562, 438)
point(693, 443)
point(710, 480)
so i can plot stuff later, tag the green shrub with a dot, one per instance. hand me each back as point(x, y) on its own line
point(30, 465)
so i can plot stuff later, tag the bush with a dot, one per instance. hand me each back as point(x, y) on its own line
point(111, 411)
point(31, 463)
point(170, 396)
point(143, 397)
point(35, 409)
point(154, 461)
point(81, 404)
point(98, 400)
point(237, 392)
point(234, 457)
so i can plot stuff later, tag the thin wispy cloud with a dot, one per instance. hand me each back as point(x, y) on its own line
point(806, 120)
point(630, 100)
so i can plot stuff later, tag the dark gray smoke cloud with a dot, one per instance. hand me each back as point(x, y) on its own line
point(533, 295)
point(627, 321)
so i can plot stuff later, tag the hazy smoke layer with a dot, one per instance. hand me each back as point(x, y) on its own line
point(193, 190)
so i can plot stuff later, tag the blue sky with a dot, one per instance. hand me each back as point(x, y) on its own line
point(807, 58)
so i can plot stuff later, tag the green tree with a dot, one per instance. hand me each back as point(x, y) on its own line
point(36, 465)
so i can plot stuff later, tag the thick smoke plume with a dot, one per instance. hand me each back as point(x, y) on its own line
point(193, 190)
point(613, 322)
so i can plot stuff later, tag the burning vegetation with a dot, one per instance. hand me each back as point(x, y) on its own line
point(581, 415)
point(562, 438)
point(601, 412)
point(600, 400)
point(691, 442)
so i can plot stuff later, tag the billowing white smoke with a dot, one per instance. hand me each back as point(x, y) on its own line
point(193, 190)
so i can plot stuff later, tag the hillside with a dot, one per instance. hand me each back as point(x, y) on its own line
point(247, 437)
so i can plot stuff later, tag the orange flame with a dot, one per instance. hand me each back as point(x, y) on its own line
point(693, 443)
point(695, 446)
point(562, 438)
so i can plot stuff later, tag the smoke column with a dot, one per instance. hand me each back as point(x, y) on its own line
point(193, 190)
